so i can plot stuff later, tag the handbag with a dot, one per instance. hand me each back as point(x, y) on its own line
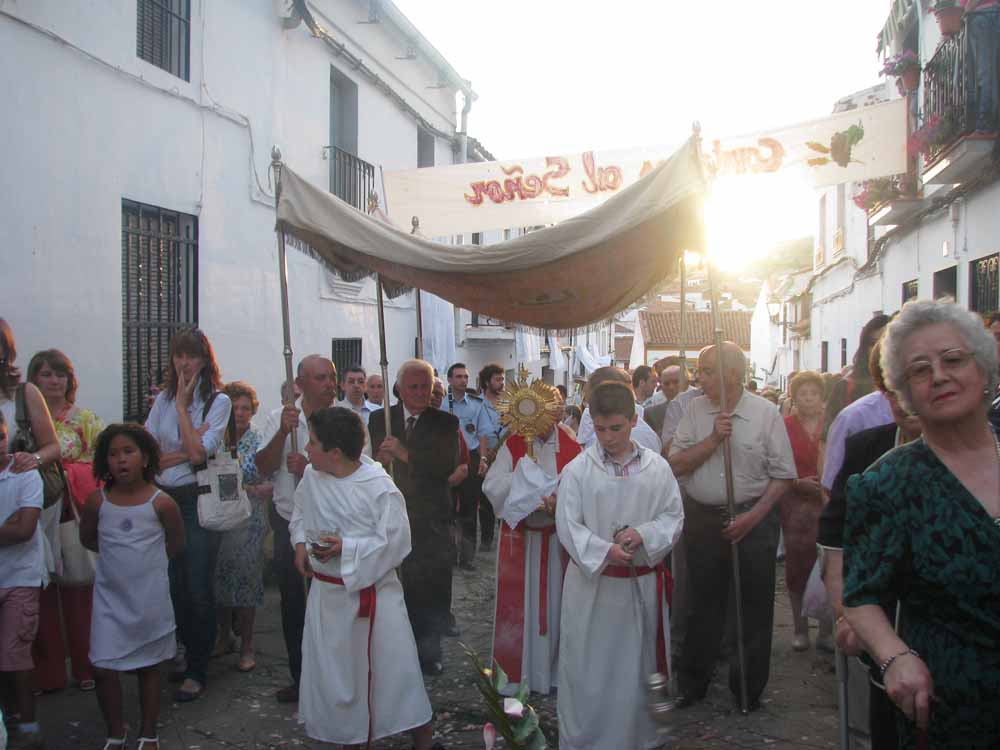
point(53, 479)
point(815, 600)
point(79, 564)
point(223, 504)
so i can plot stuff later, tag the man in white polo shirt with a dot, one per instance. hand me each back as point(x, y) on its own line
point(317, 379)
point(763, 468)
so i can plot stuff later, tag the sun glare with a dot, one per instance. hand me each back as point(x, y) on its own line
point(745, 217)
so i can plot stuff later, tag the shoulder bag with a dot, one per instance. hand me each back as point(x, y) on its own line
point(53, 479)
point(79, 564)
point(223, 504)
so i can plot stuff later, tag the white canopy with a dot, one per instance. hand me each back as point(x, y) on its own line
point(577, 272)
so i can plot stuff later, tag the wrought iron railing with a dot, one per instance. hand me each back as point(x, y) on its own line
point(351, 179)
point(484, 320)
point(984, 291)
point(950, 91)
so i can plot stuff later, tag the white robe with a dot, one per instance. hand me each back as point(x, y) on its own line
point(369, 513)
point(603, 664)
point(540, 653)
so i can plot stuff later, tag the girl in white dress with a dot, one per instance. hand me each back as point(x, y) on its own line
point(135, 528)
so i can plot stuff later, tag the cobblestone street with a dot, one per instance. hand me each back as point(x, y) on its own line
point(239, 711)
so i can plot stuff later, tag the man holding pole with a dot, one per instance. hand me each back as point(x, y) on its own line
point(317, 379)
point(762, 467)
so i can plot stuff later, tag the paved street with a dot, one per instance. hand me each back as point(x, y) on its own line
point(239, 711)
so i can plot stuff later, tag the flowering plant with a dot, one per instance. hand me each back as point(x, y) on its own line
point(883, 190)
point(936, 131)
point(899, 64)
point(511, 718)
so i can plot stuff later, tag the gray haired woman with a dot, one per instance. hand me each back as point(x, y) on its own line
point(923, 531)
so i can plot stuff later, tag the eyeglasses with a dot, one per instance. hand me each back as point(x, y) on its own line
point(950, 361)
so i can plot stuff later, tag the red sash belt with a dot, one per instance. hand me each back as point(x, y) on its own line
point(508, 641)
point(365, 610)
point(664, 593)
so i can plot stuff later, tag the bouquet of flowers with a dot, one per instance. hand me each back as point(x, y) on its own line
point(513, 719)
point(899, 64)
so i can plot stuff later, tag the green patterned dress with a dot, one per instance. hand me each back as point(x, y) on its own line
point(915, 534)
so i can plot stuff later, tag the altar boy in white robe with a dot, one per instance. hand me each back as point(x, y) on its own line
point(529, 557)
point(619, 506)
point(361, 677)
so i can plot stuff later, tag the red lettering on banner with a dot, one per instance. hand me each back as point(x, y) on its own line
point(600, 178)
point(767, 156)
point(519, 186)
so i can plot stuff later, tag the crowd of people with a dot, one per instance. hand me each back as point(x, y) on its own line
point(879, 485)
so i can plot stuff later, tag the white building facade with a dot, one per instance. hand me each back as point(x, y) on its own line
point(137, 194)
point(939, 239)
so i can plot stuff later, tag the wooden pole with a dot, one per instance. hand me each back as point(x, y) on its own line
point(383, 359)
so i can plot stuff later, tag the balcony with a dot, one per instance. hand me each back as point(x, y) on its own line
point(483, 328)
point(952, 153)
point(351, 179)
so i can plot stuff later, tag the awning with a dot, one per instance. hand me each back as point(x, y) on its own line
point(580, 271)
point(895, 25)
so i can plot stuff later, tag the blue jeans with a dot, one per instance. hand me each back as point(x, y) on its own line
point(984, 33)
point(192, 584)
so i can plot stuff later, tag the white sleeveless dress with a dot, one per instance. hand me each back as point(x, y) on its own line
point(132, 625)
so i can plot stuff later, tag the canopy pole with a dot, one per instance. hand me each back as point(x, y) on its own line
point(383, 359)
point(415, 221)
point(727, 457)
point(680, 349)
point(283, 277)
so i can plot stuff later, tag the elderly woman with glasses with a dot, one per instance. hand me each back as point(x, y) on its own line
point(923, 532)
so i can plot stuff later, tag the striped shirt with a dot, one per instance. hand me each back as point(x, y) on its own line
point(624, 468)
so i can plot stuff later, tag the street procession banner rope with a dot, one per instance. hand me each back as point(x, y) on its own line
point(578, 272)
point(857, 144)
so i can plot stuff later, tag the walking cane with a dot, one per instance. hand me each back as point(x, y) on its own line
point(727, 457)
point(842, 677)
point(283, 277)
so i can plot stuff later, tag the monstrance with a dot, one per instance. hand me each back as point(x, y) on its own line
point(529, 410)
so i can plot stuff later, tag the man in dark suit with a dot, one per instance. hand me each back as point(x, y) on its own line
point(423, 452)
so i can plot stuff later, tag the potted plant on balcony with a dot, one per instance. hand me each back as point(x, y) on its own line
point(882, 190)
point(906, 67)
point(937, 131)
point(949, 15)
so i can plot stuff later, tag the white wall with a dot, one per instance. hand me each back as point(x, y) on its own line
point(87, 124)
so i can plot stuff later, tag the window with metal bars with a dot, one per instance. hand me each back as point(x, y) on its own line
point(824, 356)
point(984, 284)
point(910, 289)
point(163, 35)
point(159, 295)
point(345, 353)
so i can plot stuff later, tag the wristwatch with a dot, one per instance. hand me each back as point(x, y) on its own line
point(38, 460)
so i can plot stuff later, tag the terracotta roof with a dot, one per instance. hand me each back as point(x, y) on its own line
point(662, 329)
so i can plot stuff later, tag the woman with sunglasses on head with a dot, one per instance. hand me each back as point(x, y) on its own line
point(189, 420)
point(923, 530)
point(70, 606)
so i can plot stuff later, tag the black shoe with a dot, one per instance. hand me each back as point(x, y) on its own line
point(467, 566)
point(451, 629)
point(752, 706)
point(289, 694)
point(432, 669)
point(686, 701)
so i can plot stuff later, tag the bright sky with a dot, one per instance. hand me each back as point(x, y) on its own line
point(563, 76)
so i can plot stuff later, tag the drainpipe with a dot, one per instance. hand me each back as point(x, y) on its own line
point(463, 135)
point(463, 153)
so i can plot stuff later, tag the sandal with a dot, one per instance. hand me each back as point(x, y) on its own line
point(111, 743)
point(190, 690)
point(148, 741)
point(87, 685)
point(246, 664)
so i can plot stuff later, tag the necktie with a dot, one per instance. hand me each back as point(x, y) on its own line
point(410, 422)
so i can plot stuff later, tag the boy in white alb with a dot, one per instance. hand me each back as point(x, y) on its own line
point(22, 574)
point(619, 513)
point(361, 678)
